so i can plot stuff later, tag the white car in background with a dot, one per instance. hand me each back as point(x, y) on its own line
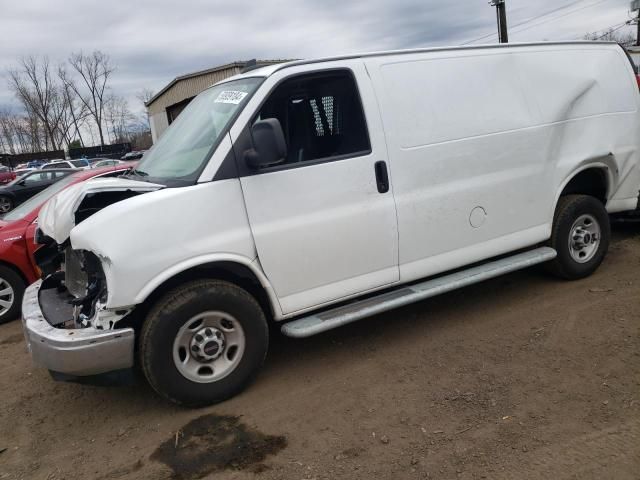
point(107, 162)
point(82, 164)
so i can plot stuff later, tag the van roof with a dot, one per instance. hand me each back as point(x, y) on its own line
point(269, 70)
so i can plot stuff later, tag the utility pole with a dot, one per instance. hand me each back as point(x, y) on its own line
point(501, 14)
point(635, 7)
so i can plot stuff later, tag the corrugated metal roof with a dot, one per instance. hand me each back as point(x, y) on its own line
point(191, 75)
point(189, 85)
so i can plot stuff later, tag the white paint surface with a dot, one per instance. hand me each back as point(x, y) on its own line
point(56, 218)
point(324, 232)
point(501, 128)
point(145, 240)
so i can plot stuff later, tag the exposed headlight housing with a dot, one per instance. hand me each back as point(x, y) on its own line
point(85, 280)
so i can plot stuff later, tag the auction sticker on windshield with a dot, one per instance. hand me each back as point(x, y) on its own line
point(230, 96)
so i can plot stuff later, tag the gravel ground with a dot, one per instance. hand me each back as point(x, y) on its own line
point(520, 377)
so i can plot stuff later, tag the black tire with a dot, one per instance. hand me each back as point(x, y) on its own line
point(16, 282)
point(569, 209)
point(172, 312)
point(8, 202)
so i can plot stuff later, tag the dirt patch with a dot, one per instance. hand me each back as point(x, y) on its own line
point(521, 377)
point(12, 339)
point(212, 443)
point(123, 472)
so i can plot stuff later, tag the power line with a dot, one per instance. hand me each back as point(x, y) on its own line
point(611, 29)
point(548, 13)
point(562, 16)
point(529, 20)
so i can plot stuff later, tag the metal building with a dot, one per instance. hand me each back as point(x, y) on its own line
point(165, 106)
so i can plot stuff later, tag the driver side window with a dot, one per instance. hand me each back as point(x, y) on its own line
point(321, 116)
point(35, 178)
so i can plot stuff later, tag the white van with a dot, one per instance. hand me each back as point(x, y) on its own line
point(317, 193)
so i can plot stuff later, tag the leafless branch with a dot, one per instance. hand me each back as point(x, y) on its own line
point(94, 71)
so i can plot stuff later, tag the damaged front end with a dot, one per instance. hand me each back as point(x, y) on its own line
point(76, 278)
point(68, 328)
point(57, 340)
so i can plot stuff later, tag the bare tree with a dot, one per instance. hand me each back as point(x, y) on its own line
point(625, 39)
point(144, 96)
point(20, 132)
point(30, 133)
point(77, 109)
point(7, 137)
point(36, 89)
point(124, 125)
point(64, 121)
point(118, 118)
point(94, 71)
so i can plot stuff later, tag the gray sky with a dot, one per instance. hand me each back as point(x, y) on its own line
point(152, 41)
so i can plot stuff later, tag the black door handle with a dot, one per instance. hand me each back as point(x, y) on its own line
point(382, 176)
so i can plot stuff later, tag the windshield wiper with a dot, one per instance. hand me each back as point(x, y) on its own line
point(139, 173)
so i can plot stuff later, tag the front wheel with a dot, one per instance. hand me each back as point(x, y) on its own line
point(6, 204)
point(11, 291)
point(580, 235)
point(203, 342)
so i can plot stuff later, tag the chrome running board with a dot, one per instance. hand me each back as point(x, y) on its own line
point(404, 295)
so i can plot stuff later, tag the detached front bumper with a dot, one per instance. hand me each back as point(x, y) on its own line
point(80, 351)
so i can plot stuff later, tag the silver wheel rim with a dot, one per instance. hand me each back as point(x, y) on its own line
point(584, 238)
point(5, 204)
point(208, 347)
point(6, 296)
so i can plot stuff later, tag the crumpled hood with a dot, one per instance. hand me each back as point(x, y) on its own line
point(57, 219)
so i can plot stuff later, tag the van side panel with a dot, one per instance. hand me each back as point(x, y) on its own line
point(590, 110)
point(480, 143)
point(437, 100)
point(593, 83)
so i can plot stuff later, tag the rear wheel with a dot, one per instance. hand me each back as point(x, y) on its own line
point(11, 291)
point(6, 204)
point(203, 342)
point(580, 235)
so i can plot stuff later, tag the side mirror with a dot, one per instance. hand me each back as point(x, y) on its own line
point(22, 183)
point(270, 147)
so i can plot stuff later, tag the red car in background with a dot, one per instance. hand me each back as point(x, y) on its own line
point(17, 229)
point(6, 175)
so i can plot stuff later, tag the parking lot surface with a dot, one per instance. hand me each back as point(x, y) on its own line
point(524, 376)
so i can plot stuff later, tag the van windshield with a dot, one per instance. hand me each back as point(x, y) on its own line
point(181, 153)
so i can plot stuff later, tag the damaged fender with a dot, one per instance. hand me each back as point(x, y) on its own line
point(57, 216)
point(167, 230)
